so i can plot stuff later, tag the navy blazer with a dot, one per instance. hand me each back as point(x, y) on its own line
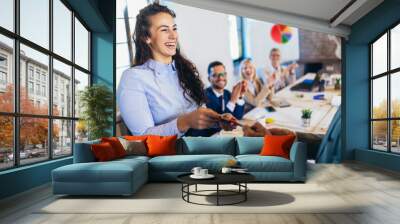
point(214, 103)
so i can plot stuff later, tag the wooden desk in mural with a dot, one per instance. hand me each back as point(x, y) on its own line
point(290, 117)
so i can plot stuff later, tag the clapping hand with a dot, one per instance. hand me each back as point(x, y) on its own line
point(236, 92)
point(292, 66)
point(244, 87)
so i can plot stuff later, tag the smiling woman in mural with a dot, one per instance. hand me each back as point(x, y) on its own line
point(257, 94)
point(163, 93)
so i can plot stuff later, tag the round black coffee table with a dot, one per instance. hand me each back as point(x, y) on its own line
point(238, 179)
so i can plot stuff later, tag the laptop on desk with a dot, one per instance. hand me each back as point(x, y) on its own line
point(307, 85)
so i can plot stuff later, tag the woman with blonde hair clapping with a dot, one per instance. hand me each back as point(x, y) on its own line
point(257, 94)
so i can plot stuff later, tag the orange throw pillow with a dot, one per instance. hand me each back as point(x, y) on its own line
point(136, 137)
point(277, 145)
point(116, 145)
point(161, 145)
point(103, 151)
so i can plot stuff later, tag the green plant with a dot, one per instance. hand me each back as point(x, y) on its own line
point(306, 113)
point(96, 102)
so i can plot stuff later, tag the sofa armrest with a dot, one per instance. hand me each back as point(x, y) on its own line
point(83, 152)
point(298, 155)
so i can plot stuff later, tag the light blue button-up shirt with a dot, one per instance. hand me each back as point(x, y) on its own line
point(150, 99)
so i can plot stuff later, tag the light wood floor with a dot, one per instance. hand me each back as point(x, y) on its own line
point(378, 188)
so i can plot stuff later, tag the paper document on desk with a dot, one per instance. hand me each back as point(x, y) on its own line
point(255, 114)
point(336, 101)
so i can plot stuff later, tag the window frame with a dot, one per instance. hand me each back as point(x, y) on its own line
point(16, 115)
point(388, 74)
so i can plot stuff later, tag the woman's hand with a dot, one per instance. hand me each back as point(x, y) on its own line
point(201, 118)
point(281, 131)
point(256, 130)
point(228, 122)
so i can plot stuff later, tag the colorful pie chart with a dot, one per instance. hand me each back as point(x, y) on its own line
point(281, 34)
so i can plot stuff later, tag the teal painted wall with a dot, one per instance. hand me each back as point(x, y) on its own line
point(103, 62)
point(24, 178)
point(356, 83)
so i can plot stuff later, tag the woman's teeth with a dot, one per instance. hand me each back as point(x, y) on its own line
point(170, 45)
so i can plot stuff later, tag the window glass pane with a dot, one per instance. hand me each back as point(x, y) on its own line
point(81, 81)
point(62, 138)
point(6, 142)
point(62, 29)
point(379, 98)
point(34, 66)
point(379, 55)
point(35, 21)
point(81, 45)
point(6, 74)
point(62, 89)
point(395, 138)
point(395, 94)
point(81, 131)
point(395, 47)
point(7, 14)
point(33, 139)
point(379, 135)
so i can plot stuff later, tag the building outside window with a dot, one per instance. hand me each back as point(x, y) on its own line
point(44, 77)
point(38, 89)
point(43, 90)
point(30, 87)
point(30, 72)
point(37, 75)
point(3, 71)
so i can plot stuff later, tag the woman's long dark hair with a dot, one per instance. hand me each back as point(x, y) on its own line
point(189, 78)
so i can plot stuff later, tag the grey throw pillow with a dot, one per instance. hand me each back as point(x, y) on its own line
point(134, 147)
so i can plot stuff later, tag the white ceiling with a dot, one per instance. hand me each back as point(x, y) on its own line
point(315, 15)
point(321, 9)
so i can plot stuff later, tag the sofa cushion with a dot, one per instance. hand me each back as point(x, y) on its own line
point(249, 145)
point(83, 153)
point(185, 163)
point(257, 163)
point(207, 145)
point(111, 171)
point(132, 158)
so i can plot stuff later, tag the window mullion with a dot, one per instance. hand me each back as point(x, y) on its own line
point(16, 83)
point(73, 83)
point(389, 106)
point(371, 97)
point(50, 81)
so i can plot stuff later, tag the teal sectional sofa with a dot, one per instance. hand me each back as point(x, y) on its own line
point(125, 176)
